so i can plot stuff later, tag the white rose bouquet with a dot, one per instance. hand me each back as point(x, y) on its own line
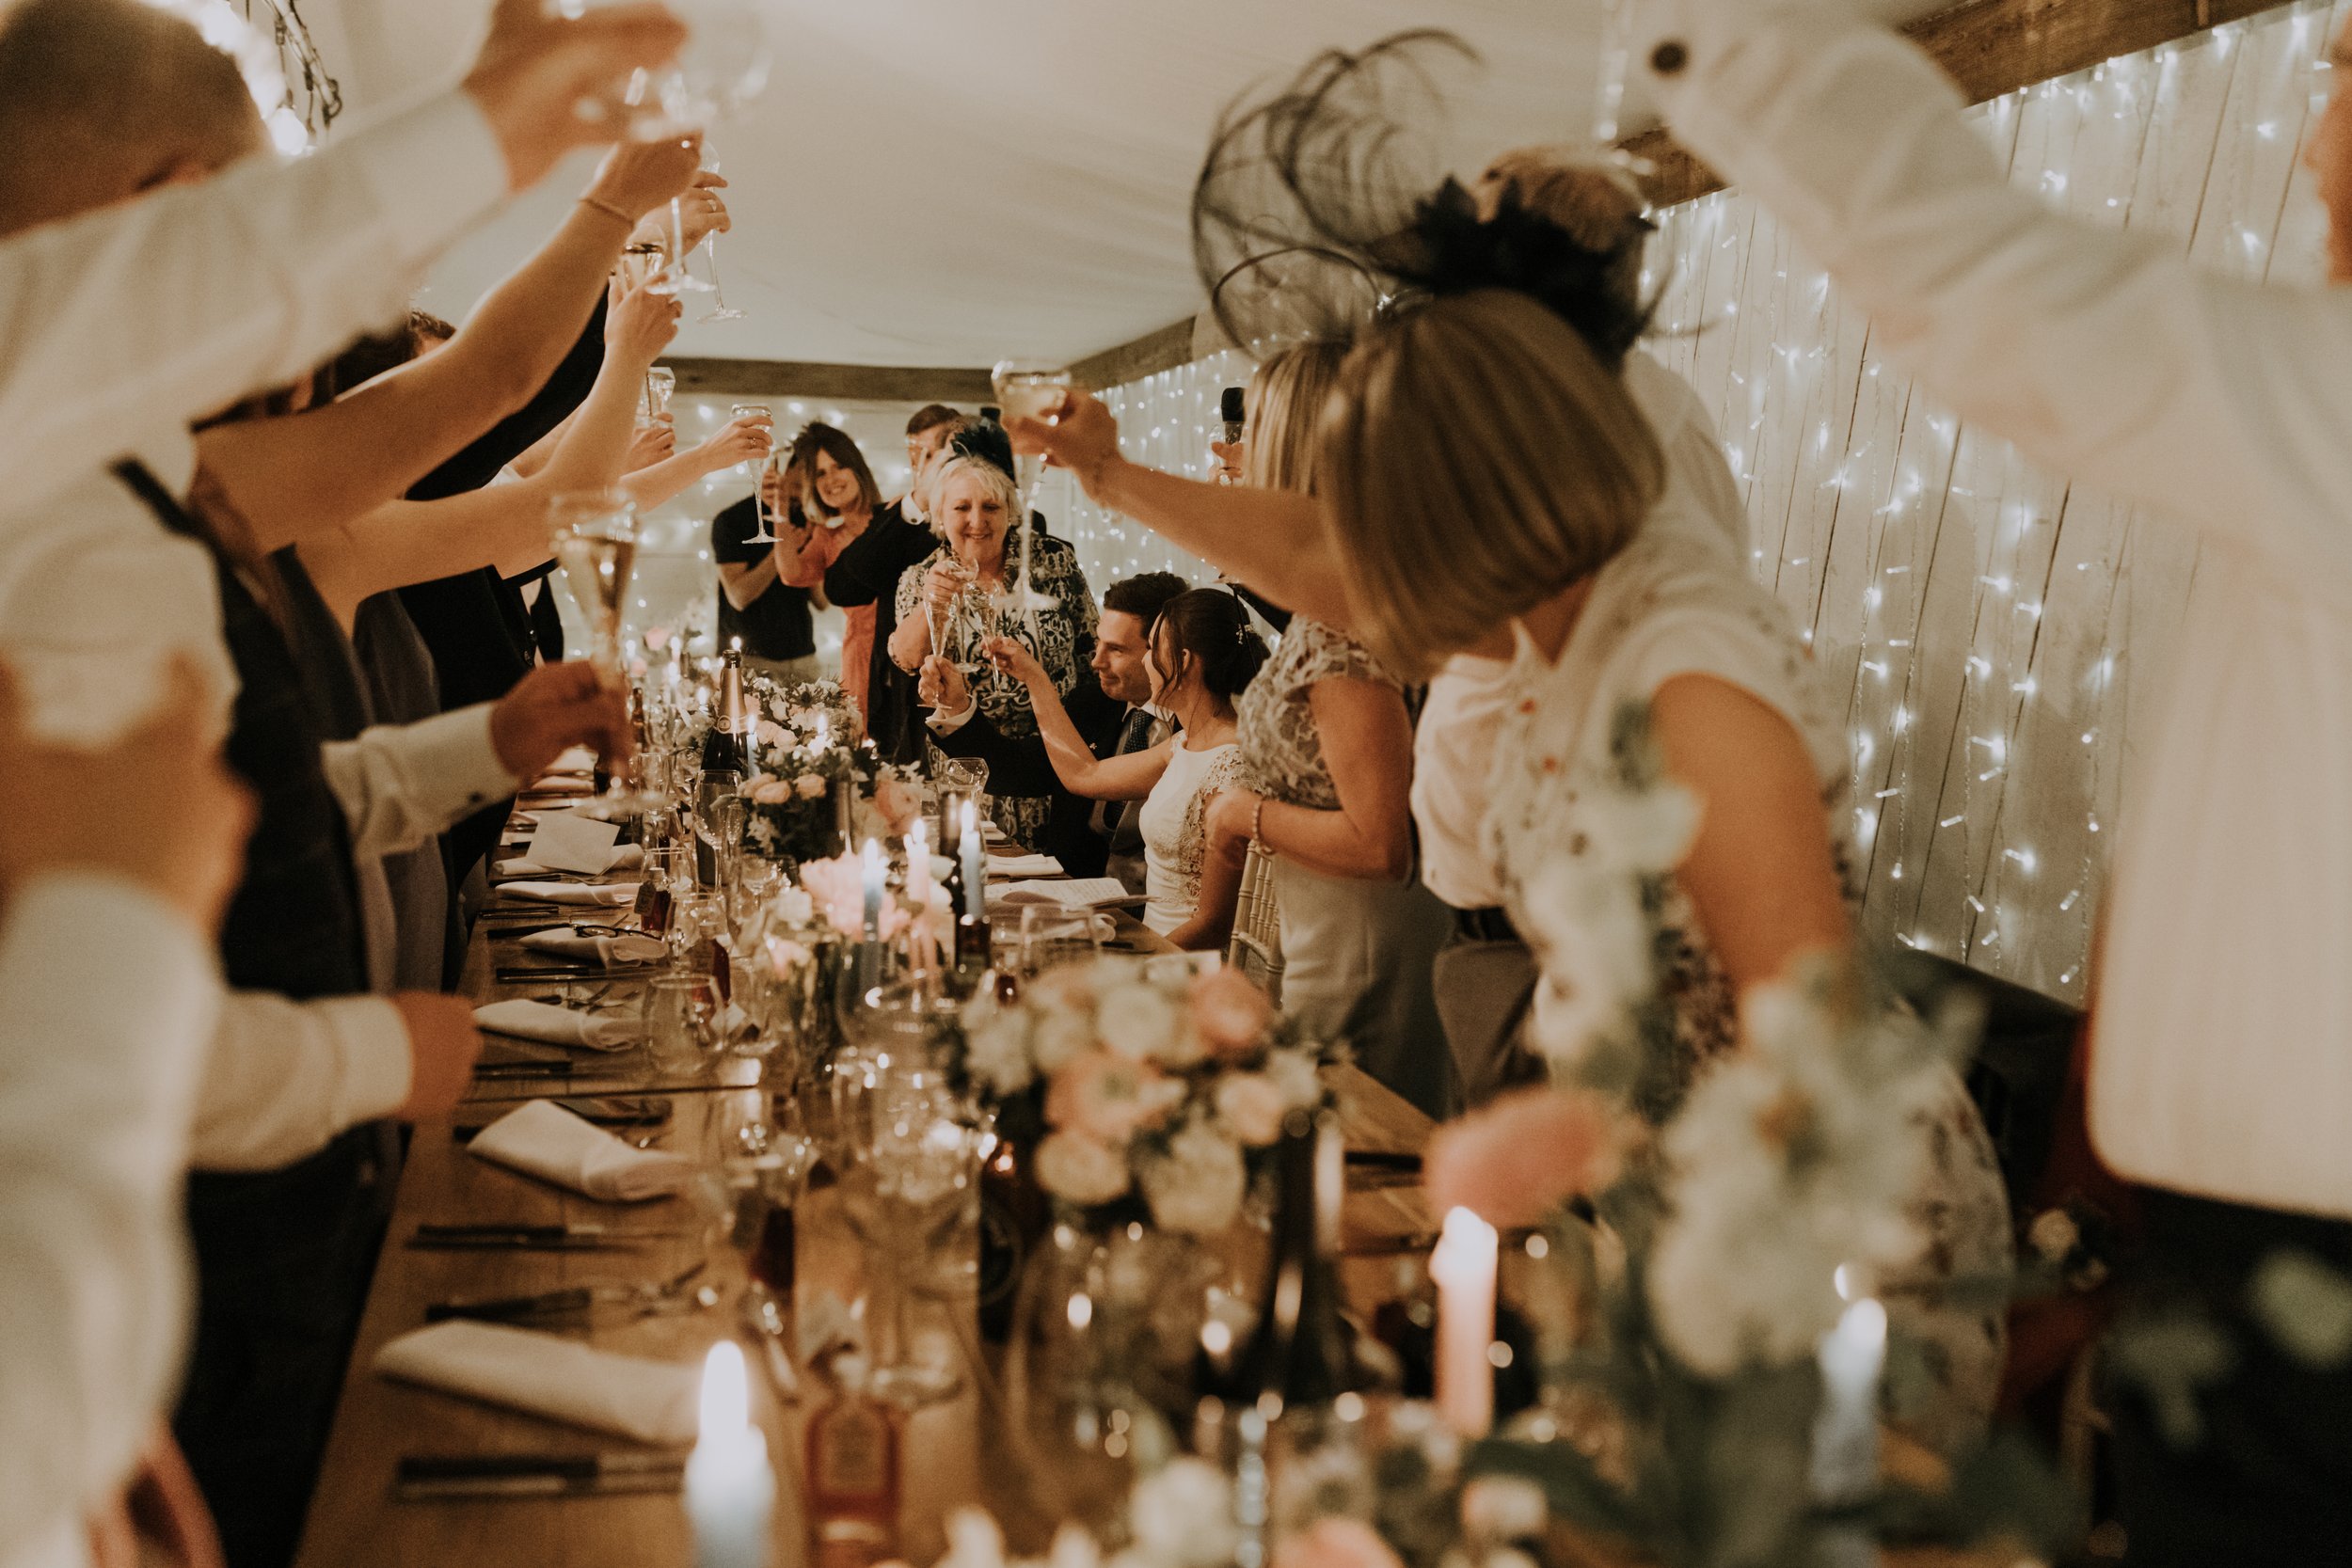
point(1140, 1090)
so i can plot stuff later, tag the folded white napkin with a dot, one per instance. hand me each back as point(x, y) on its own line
point(1078, 894)
point(609, 895)
point(547, 1374)
point(578, 759)
point(1024, 865)
point(545, 1140)
point(554, 1025)
point(626, 857)
point(623, 949)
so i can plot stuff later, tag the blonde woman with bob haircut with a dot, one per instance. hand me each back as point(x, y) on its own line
point(1327, 760)
point(974, 503)
point(1496, 505)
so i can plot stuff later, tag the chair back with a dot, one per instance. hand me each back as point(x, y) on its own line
point(1255, 947)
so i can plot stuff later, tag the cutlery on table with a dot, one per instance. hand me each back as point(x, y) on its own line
point(426, 1477)
point(651, 1294)
point(574, 1237)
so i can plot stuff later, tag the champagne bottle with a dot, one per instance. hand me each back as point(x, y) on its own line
point(853, 1477)
point(729, 746)
point(1302, 1351)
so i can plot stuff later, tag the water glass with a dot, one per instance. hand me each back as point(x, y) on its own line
point(681, 1024)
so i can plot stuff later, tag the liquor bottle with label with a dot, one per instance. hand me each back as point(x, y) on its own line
point(853, 1481)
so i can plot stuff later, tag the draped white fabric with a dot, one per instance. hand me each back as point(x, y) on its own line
point(934, 183)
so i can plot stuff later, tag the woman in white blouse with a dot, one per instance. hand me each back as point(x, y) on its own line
point(1500, 495)
point(1203, 655)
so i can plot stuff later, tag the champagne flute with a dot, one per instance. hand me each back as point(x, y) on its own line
point(593, 538)
point(759, 469)
point(1617, 51)
point(720, 311)
point(1031, 390)
point(725, 64)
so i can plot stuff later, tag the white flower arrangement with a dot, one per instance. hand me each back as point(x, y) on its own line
point(1142, 1088)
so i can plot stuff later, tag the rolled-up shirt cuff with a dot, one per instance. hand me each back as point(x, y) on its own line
point(456, 763)
point(378, 1060)
point(948, 723)
point(436, 169)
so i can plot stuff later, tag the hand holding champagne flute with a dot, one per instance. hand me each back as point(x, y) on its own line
point(592, 536)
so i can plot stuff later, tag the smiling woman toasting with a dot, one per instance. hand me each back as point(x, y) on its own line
point(974, 503)
point(837, 496)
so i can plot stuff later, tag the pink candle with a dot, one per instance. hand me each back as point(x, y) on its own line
point(1464, 1266)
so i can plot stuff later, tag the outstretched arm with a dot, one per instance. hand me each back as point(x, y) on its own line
point(290, 477)
point(1276, 540)
point(2099, 352)
point(1122, 778)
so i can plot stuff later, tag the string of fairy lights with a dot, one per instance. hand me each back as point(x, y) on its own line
point(1993, 630)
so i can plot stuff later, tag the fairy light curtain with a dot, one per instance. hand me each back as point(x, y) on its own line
point(2002, 640)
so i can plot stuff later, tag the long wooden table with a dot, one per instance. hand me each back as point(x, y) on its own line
point(949, 1452)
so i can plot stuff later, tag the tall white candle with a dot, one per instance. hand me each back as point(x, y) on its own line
point(875, 872)
point(1852, 1357)
point(1464, 1266)
point(730, 1489)
point(975, 862)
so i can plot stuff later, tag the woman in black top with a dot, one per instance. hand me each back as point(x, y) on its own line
point(771, 618)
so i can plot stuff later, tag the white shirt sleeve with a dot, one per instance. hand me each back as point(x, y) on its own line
point(948, 723)
point(157, 311)
point(109, 998)
point(2101, 353)
point(287, 1077)
point(402, 784)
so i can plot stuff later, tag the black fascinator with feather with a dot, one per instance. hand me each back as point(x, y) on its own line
point(1321, 208)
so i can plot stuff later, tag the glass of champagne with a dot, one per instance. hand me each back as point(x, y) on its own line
point(719, 311)
point(767, 534)
point(1031, 390)
point(660, 386)
point(592, 536)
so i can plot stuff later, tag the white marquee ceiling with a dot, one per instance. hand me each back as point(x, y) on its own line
point(937, 183)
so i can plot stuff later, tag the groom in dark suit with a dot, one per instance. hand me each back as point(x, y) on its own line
point(1090, 838)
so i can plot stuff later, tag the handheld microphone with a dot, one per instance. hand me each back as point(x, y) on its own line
point(1235, 413)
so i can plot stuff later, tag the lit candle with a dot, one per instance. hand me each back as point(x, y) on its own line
point(874, 884)
point(919, 865)
point(975, 862)
point(824, 732)
point(730, 1490)
point(1845, 1434)
point(1464, 1266)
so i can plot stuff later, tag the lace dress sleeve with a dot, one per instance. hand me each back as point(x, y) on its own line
point(1223, 773)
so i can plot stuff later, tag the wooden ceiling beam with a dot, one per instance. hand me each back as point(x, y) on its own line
point(1991, 48)
point(784, 378)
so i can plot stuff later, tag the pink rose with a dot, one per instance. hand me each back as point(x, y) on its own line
point(812, 787)
point(1336, 1543)
point(1231, 1013)
point(771, 733)
point(900, 804)
point(1252, 1105)
point(658, 638)
point(1516, 1161)
point(1108, 1098)
point(772, 792)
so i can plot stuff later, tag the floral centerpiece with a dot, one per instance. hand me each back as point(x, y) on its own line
point(808, 765)
point(1749, 1208)
point(1144, 1091)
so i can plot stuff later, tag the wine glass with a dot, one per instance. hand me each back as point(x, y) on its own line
point(660, 386)
point(760, 467)
point(1031, 390)
point(592, 536)
point(681, 1015)
point(1616, 50)
point(719, 311)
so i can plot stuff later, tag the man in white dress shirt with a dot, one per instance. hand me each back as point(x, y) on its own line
point(150, 313)
point(2221, 1066)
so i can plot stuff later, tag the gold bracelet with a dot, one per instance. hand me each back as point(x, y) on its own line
point(598, 204)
